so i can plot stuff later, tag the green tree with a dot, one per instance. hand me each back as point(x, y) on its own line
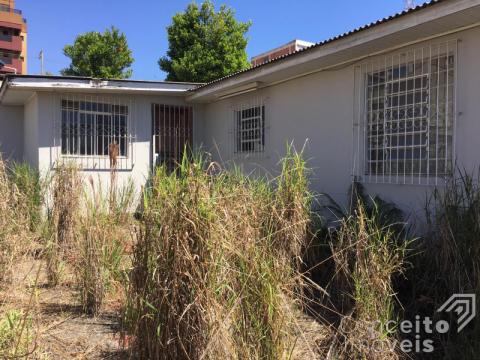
point(205, 45)
point(98, 55)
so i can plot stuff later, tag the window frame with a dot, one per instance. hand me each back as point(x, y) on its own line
point(424, 94)
point(92, 124)
point(94, 142)
point(248, 120)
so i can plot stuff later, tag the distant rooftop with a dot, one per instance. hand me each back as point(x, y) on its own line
point(285, 49)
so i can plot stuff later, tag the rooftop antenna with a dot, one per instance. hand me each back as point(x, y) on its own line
point(41, 56)
point(409, 4)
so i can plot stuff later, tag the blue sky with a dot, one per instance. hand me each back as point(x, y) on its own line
point(54, 23)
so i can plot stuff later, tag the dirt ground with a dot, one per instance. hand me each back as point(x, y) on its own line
point(64, 332)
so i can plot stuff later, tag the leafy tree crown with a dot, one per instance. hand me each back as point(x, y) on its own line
point(205, 45)
point(100, 55)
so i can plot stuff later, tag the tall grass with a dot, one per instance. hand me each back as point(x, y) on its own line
point(368, 250)
point(66, 193)
point(212, 271)
point(15, 237)
point(448, 260)
point(100, 243)
point(93, 234)
point(121, 201)
point(6, 244)
point(293, 203)
point(19, 217)
point(28, 182)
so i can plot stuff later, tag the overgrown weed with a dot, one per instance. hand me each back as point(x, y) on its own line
point(214, 275)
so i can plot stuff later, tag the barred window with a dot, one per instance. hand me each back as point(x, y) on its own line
point(92, 128)
point(410, 115)
point(250, 129)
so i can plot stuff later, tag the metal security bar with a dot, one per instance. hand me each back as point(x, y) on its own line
point(95, 132)
point(406, 117)
point(249, 128)
point(172, 133)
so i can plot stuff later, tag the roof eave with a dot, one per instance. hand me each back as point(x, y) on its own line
point(103, 89)
point(363, 38)
point(88, 85)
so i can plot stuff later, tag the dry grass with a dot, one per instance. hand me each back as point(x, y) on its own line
point(15, 236)
point(89, 273)
point(103, 236)
point(218, 272)
point(454, 238)
point(17, 224)
point(367, 255)
point(213, 274)
point(60, 232)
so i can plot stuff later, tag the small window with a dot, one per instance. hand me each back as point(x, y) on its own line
point(250, 130)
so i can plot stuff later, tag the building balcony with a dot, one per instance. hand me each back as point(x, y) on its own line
point(11, 64)
point(5, 8)
point(12, 43)
point(12, 18)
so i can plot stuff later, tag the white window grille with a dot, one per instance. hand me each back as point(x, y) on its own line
point(407, 116)
point(96, 132)
point(249, 128)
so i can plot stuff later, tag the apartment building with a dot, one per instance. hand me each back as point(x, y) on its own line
point(13, 39)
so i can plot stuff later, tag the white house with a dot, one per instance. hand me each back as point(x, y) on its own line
point(394, 104)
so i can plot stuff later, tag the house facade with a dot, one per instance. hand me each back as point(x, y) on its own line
point(394, 105)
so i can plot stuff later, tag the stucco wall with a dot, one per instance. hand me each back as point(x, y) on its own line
point(318, 110)
point(11, 132)
point(49, 152)
point(30, 134)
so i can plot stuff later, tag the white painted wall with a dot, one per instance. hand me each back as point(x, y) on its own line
point(11, 132)
point(49, 152)
point(295, 112)
point(30, 134)
point(318, 110)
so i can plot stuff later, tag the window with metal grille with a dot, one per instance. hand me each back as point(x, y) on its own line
point(90, 128)
point(250, 129)
point(409, 109)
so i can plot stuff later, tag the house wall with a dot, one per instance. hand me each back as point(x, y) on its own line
point(30, 134)
point(49, 152)
point(11, 132)
point(318, 112)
